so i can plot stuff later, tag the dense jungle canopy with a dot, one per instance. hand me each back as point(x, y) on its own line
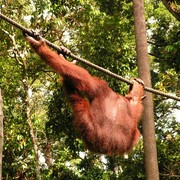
point(39, 138)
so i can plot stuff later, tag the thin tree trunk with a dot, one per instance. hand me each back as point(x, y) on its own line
point(1, 134)
point(22, 63)
point(32, 134)
point(151, 163)
point(48, 155)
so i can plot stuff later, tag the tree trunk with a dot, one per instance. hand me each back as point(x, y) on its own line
point(32, 134)
point(151, 163)
point(1, 134)
point(48, 155)
point(22, 63)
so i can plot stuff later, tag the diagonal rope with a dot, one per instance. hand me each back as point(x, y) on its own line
point(70, 54)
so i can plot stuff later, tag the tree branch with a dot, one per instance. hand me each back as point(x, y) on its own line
point(172, 7)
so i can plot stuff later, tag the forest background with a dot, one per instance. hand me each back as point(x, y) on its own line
point(39, 139)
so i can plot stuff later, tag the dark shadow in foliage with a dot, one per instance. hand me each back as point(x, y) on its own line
point(112, 7)
point(166, 49)
point(60, 123)
point(62, 173)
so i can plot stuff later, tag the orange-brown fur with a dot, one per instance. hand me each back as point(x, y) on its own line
point(106, 121)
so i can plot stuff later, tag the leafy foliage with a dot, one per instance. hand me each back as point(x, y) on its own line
point(101, 31)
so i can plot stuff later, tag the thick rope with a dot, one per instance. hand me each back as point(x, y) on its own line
point(70, 54)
